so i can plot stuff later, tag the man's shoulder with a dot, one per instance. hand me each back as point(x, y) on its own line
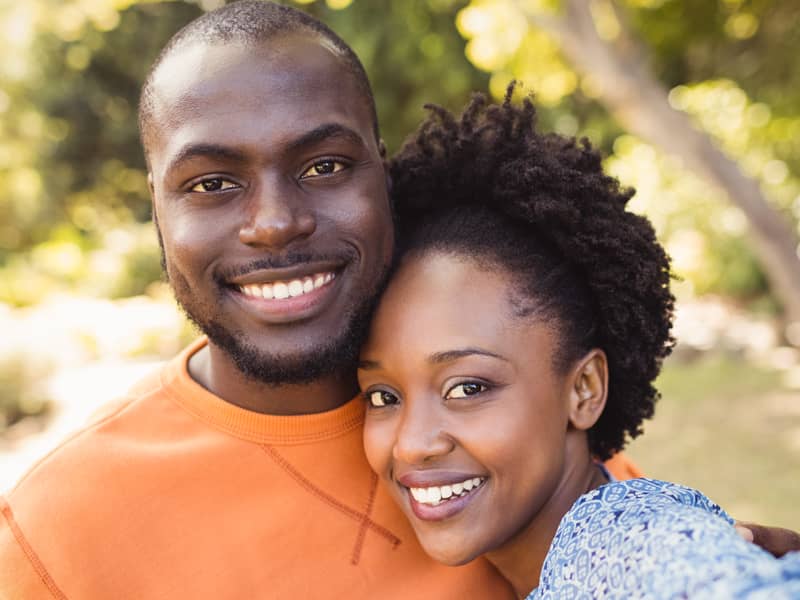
point(82, 455)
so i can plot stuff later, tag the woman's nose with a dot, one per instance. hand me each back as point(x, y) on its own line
point(421, 438)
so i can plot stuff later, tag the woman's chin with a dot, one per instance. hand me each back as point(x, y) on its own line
point(452, 557)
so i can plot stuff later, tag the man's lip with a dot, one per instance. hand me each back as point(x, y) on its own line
point(433, 478)
point(291, 309)
point(285, 274)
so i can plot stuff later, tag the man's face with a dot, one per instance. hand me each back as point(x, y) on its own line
point(270, 197)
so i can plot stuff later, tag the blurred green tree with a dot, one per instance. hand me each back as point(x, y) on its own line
point(622, 72)
point(678, 74)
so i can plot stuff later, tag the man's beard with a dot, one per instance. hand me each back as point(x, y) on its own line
point(334, 356)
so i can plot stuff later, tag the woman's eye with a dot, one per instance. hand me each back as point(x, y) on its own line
point(381, 398)
point(462, 390)
point(215, 184)
point(322, 167)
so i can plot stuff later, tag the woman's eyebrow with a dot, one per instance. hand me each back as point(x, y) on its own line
point(451, 355)
point(439, 357)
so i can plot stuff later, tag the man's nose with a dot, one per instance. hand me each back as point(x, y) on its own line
point(276, 217)
point(422, 435)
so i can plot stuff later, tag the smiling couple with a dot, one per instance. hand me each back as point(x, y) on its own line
point(515, 345)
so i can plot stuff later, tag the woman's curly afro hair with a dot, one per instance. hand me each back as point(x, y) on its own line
point(488, 186)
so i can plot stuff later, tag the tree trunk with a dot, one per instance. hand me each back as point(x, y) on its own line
point(640, 103)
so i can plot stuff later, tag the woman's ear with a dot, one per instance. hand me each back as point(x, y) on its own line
point(588, 390)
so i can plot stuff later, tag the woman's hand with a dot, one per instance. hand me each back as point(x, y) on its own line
point(775, 540)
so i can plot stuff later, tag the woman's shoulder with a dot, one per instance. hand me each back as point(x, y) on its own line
point(654, 539)
point(636, 500)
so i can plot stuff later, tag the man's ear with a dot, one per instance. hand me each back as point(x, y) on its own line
point(588, 389)
point(151, 188)
point(386, 173)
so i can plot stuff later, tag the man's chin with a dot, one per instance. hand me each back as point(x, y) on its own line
point(336, 357)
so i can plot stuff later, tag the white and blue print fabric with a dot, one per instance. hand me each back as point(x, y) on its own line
point(651, 539)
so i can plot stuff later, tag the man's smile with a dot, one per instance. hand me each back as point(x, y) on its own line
point(280, 290)
point(278, 297)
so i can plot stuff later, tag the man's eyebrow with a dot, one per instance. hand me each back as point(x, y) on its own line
point(369, 364)
point(324, 132)
point(213, 151)
point(451, 355)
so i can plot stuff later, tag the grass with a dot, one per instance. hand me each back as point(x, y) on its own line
point(731, 430)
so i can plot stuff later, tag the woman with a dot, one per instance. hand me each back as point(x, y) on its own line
point(515, 347)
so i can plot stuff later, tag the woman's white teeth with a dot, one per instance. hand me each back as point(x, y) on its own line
point(436, 494)
point(287, 289)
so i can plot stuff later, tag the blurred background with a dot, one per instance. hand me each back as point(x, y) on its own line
point(696, 103)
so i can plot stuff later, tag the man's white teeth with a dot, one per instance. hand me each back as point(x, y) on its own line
point(286, 289)
point(436, 494)
point(280, 290)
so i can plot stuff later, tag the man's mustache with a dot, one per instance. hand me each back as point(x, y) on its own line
point(284, 261)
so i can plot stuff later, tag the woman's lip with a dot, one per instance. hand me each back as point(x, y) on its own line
point(445, 509)
point(433, 478)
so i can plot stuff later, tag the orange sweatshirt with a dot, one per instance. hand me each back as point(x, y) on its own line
point(178, 494)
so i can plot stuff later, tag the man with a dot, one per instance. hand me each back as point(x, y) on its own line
point(237, 471)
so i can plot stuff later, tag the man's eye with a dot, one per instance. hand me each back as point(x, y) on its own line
point(322, 167)
point(215, 184)
point(381, 398)
point(462, 390)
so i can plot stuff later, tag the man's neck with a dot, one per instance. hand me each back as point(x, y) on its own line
point(212, 368)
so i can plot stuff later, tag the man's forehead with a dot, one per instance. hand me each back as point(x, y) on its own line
point(203, 86)
point(289, 63)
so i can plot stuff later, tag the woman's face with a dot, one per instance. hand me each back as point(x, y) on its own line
point(467, 421)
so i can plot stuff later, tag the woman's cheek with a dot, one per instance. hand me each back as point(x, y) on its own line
point(378, 443)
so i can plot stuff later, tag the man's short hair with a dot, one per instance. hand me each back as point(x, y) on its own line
point(254, 22)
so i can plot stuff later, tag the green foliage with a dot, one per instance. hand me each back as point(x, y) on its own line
point(73, 116)
point(413, 55)
point(730, 64)
point(74, 175)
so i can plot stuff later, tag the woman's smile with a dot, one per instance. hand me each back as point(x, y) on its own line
point(435, 496)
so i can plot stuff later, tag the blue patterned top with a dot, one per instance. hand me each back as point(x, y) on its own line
point(652, 539)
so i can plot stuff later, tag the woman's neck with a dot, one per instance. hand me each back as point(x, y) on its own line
point(520, 559)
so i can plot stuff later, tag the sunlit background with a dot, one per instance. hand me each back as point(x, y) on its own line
point(696, 103)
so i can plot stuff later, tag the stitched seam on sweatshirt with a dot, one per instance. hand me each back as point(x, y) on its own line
point(362, 529)
point(30, 554)
point(327, 498)
point(256, 435)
